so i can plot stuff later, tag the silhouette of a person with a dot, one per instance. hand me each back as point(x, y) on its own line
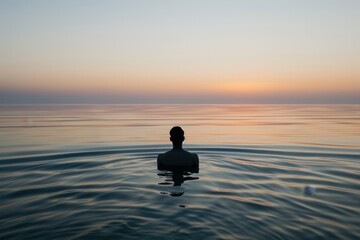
point(178, 160)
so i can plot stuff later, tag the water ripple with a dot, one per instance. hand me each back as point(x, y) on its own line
point(241, 193)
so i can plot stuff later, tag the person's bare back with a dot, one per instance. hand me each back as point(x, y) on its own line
point(178, 159)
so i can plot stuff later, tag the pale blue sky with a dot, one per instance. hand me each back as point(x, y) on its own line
point(180, 50)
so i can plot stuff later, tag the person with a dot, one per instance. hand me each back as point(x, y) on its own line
point(178, 160)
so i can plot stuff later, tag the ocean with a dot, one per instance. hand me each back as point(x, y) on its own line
point(266, 172)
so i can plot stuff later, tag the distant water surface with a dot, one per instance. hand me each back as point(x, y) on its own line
point(266, 172)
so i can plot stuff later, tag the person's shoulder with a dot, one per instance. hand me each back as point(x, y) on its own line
point(163, 155)
point(160, 156)
point(193, 155)
point(166, 153)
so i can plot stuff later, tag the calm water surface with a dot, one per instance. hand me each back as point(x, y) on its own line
point(89, 172)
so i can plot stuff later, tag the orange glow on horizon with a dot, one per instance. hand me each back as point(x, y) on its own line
point(185, 83)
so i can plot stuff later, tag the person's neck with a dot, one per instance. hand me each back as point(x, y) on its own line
point(177, 147)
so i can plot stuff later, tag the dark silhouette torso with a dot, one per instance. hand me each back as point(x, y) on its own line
point(178, 160)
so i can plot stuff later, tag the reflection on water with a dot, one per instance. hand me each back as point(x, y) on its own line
point(89, 172)
point(176, 179)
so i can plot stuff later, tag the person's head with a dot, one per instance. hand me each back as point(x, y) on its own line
point(177, 136)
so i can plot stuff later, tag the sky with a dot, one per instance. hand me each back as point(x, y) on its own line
point(188, 51)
